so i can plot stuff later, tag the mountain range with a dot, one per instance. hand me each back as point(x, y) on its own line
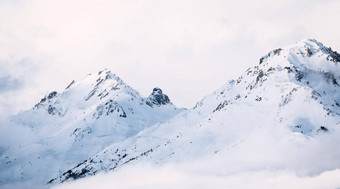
point(282, 114)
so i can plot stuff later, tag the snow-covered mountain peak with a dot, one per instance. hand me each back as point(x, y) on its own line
point(309, 42)
point(307, 53)
point(106, 74)
point(306, 74)
point(88, 93)
point(80, 121)
point(294, 93)
point(96, 79)
point(312, 47)
point(101, 124)
point(105, 82)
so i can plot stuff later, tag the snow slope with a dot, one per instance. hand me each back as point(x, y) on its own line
point(283, 114)
point(69, 127)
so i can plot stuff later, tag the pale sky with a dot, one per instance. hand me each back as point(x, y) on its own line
point(187, 48)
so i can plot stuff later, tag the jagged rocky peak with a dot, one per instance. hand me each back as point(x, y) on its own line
point(50, 104)
point(157, 98)
point(106, 82)
point(93, 89)
point(310, 47)
point(107, 75)
point(308, 65)
point(270, 54)
point(304, 58)
point(305, 48)
point(97, 79)
point(47, 98)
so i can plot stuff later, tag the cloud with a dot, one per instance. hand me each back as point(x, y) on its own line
point(146, 176)
point(11, 135)
point(17, 84)
point(8, 84)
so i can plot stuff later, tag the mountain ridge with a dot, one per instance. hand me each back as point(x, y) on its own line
point(272, 96)
point(76, 123)
point(285, 108)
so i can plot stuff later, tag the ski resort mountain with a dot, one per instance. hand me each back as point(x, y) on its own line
point(71, 126)
point(282, 114)
point(282, 110)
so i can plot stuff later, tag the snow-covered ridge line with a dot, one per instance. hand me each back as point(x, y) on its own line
point(285, 109)
point(294, 91)
point(82, 120)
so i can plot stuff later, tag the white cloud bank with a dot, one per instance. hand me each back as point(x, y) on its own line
point(188, 48)
point(172, 176)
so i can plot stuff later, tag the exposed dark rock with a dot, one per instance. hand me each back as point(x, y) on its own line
point(330, 78)
point(277, 51)
point(51, 110)
point(337, 104)
point(309, 52)
point(270, 54)
point(262, 59)
point(70, 84)
point(91, 94)
point(157, 98)
point(287, 98)
point(198, 104)
point(52, 94)
point(299, 76)
point(315, 95)
point(74, 175)
point(322, 129)
point(48, 97)
point(258, 78)
point(271, 69)
point(85, 169)
point(288, 69)
point(108, 108)
point(239, 80)
point(221, 105)
point(108, 77)
point(332, 55)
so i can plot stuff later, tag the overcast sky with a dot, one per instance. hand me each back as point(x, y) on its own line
point(188, 48)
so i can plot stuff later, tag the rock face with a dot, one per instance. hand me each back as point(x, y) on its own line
point(291, 98)
point(157, 98)
point(77, 123)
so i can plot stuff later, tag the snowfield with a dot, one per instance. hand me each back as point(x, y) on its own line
point(276, 126)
